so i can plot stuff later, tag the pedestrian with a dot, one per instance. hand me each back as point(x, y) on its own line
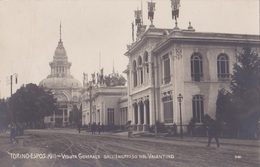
point(94, 127)
point(212, 131)
point(129, 129)
point(99, 128)
point(13, 134)
point(103, 127)
point(79, 127)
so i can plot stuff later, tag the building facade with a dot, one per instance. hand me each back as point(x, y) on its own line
point(166, 63)
point(104, 105)
point(65, 88)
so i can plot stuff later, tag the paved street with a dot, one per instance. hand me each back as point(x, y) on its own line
point(69, 148)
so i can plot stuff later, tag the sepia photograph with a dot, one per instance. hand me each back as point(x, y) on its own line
point(129, 83)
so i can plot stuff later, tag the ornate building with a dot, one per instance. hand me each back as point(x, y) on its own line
point(66, 89)
point(164, 63)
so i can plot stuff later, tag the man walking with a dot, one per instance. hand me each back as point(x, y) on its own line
point(212, 131)
point(13, 134)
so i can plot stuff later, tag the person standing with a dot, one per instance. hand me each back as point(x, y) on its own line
point(79, 127)
point(99, 128)
point(13, 134)
point(212, 131)
point(103, 127)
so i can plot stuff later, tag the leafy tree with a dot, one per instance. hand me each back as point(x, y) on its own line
point(112, 80)
point(31, 103)
point(245, 90)
point(4, 114)
point(224, 107)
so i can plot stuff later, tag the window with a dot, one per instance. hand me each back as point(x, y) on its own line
point(123, 115)
point(110, 116)
point(168, 108)
point(146, 61)
point(166, 69)
point(223, 66)
point(196, 67)
point(198, 108)
point(140, 67)
point(134, 73)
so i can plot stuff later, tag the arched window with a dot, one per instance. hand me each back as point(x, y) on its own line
point(140, 67)
point(198, 108)
point(223, 66)
point(196, 67)
point(146, 61)
point(134, 73)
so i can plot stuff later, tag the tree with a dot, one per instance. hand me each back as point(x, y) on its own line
point(31, 103)
point(245, 90)
point(224, 107)
point(4, 115)
point(112, 80)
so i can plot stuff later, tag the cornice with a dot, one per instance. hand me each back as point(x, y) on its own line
point(195, 37)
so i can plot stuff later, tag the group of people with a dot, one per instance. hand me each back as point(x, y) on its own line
point(96, 127)
point(93, 127)
point(211, 126)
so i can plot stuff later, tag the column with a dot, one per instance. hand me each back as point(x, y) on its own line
point(133, 111)
point(152, 110)
point(145, 126)
point(63, 117)
point(53, 123)
point(133, 119)
point(139, 117)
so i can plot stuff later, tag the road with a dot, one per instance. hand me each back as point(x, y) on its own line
point(42, 148)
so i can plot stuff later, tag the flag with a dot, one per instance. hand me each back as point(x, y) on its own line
point(138, 17)
point(175, 8)
point(151, 9)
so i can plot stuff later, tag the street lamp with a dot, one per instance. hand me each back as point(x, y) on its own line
point(179, 98)
point(154, 93)
point(11, 84)
point(11, 81)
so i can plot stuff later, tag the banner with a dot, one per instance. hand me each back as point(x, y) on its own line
point(151, 9)
point(175, 8)
point(138, 17)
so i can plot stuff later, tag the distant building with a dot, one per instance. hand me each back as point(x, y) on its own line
point(164, 63)
point(66, 89)
point(103, 104)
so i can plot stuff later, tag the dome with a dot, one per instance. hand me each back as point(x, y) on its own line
point(56, 82)
point(60, 50)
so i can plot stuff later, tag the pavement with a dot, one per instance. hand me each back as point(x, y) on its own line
point(5, 144)
point(223, 141)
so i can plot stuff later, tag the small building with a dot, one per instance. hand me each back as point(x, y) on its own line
point(104, 105)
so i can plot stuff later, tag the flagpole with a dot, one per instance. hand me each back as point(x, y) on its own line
point(142, 11)
point(99, 60)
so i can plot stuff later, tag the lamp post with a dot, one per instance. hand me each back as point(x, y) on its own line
point(154, 94)
point(11, 81)
point(179, 98)
point(90, 103)
point(11, 84)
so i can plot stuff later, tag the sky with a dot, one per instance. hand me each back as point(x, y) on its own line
point(95, 32)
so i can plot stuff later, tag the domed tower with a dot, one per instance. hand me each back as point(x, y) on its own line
point(65, 88)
